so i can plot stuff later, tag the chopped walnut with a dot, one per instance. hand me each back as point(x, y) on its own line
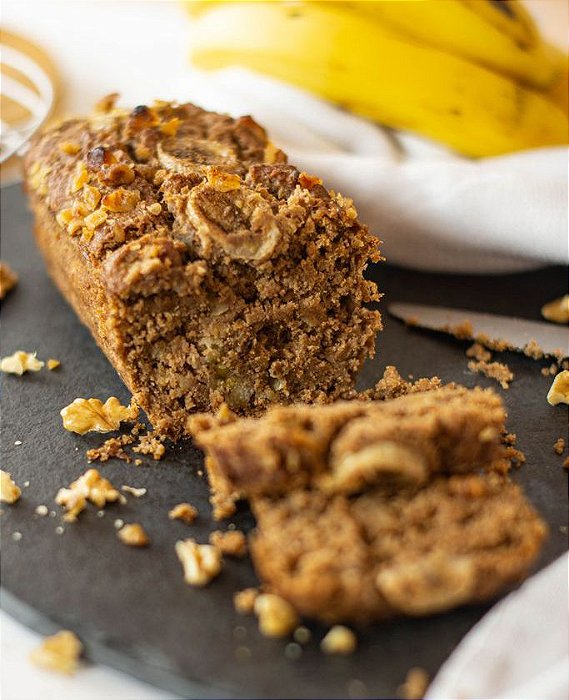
point(201, 562)
point(80, 177)
point(415, 684)
point(170, 127)
point(91, 197)
point(133, 535)
point(85, 415)
point(94, 220)
point(53, 364)
point(339, 640)
point(70, 148)
point(494, 370)
point(10, 492)
point(60, 652)
point(559, 446)
point(21, 362)
point(185, 512)
point(232, 543)
point(244, 601)
point(222, 181)
point(559, 391)
point(557, 310)
point(533, 350)
point(121, 200)
point(8, 279)
point(479, 352)
point(38, 177)
point(89, 486)
point(277, 617)
point(137, 493)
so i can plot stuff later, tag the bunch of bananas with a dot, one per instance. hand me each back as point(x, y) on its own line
point(473, 74)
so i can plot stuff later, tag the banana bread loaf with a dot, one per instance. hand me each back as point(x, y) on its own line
point(207, 269)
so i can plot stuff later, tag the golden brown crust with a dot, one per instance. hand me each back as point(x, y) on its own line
point(207, 269)
point(412, 552)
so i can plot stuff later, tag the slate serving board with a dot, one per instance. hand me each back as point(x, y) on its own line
point(131, 607)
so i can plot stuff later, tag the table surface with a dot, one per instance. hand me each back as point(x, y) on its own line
point(131, 607)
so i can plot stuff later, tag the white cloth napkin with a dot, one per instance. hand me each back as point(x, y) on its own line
point(433, 209)
point(520, 649)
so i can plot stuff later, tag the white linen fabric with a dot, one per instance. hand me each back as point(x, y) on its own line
point(520, 649)
point(434, 209)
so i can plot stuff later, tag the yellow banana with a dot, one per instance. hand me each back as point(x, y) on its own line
point(465, 29)
point(342, 56)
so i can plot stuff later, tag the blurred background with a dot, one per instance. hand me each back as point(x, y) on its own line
point(445, 120)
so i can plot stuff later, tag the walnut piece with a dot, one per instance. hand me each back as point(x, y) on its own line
point(339, 640)
point(20, 362)
point(90, 486)
point(121, 200)
point(232, 543)
point(201, 562)
point(277, 617)
point(185, 512)
point(133, 535)
point(559, 390)
point(60, 652)
point(244, 601)
point(8, 279)
point(559, 446)
point(557, 310)
point(80, 177)
point(86, 415)
point(53, 364)
point(10, 492)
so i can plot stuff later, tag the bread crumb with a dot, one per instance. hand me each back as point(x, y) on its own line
point(201, 562)
point(112, 448)
point(137, 462)
point(41, 510)
point(244, 601)
point(557, 310)
point(462, 331)
point(494, 370)
point(60, 652)
point(53, 364)
point(87, 415)
point(550, 371)
point(415, 684)
point(90, 486)
point(479, 352)
point(277, 617)
point(20, 362)
point(150, 444)
point(339, 640)
point(233, 543)
point(8, 279)
point(559, 446)
point(559, 390)
point(10, 492)
point(133, 535)
point(185, 512)
point(533, 350)
point(137, 493)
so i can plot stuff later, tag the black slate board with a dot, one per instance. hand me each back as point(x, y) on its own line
point(131, 607)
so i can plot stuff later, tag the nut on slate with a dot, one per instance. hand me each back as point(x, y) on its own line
point(89, 486)
point(201, 562)
point(21, 362)
point(277, 617)
point(10, 492)
point(86, 415)
point(339, 640)
point(134, 535)
point(557, 310)
point(244, 601)
point(185, 512)
point(60, 652)
point(559, 391)
point(232, 543)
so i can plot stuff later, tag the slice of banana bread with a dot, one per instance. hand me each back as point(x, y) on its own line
point(349, 446)
point(207, 269)
point(411, 551)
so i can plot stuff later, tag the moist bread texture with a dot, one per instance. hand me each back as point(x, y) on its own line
point(371, 509)
point(385, 553)
point(207, 268)
point(348, 446)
